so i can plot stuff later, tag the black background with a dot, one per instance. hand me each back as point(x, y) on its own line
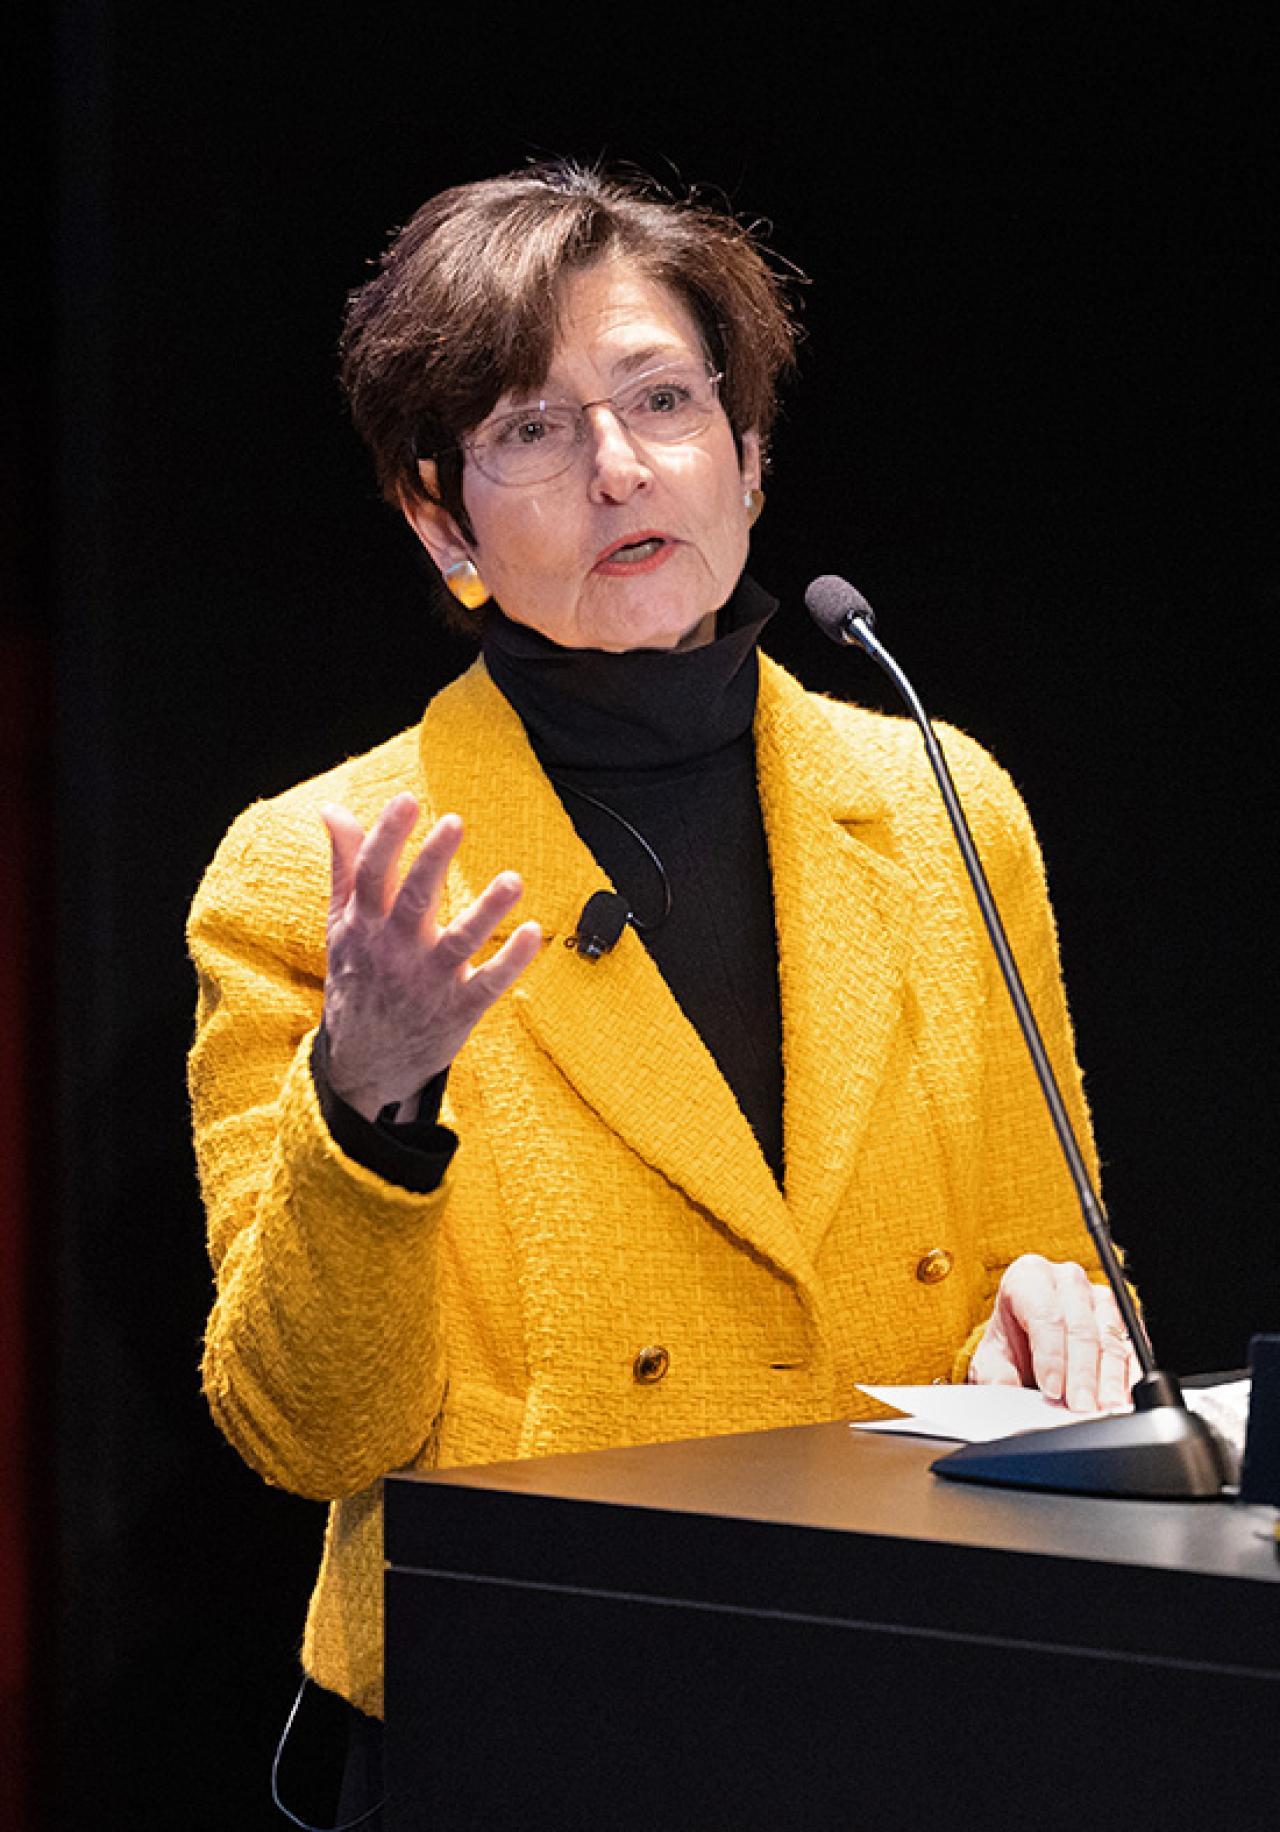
point(1036, 422)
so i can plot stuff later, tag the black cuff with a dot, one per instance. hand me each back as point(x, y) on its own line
point(414, 1155)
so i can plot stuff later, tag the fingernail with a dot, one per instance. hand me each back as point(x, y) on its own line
point(1082, 1400)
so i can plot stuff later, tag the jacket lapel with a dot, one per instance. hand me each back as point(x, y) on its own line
point(844, 919)
point(611, 1026)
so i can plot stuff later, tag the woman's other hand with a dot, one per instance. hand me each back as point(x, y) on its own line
point(1054, 1329)
point(401, 996)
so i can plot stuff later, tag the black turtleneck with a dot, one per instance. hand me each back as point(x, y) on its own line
point(663, 739)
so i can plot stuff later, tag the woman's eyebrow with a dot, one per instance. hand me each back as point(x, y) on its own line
point(632, 363)
point(651, 353)
point(646, 356)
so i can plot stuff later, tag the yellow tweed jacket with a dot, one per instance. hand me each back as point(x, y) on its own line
point(608, 1195)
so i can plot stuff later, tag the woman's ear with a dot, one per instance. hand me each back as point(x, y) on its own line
point(751, 461)
point(432, 522)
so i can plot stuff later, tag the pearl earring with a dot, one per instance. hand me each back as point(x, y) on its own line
point(753, 503)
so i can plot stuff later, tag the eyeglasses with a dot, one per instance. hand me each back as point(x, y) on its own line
point(539, 442)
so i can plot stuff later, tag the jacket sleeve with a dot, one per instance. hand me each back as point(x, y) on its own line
point(322, 1364)
point(1028, 1201)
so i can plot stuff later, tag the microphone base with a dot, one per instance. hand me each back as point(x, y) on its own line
point(1158, 1452)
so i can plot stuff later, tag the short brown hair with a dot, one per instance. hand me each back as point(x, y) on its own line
point(464, 308)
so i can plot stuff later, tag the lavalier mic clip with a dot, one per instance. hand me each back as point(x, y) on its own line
point(604, 916)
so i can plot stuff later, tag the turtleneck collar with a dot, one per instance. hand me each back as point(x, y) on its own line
point(642, 709)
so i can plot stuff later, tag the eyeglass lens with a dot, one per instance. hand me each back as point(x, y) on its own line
point(540, 441)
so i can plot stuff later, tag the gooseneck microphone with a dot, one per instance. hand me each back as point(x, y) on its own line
point(1162, 1448)
point(843, 614)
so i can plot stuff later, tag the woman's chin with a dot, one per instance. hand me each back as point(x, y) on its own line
point(644, 630)
point(700, 635)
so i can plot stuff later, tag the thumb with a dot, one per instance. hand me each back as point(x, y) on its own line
point(995, 1361)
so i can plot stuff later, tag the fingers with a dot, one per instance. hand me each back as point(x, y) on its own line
point(479, 987)
point(363, 879)
point(364, 873)
point(1003, 1357)
point(364, 866)
point(346, 836)
point(1098, 1360)
point(1054, 1310)
point(1063, 1331)
point(360, 866)
point(371, 889)
point(1079, 1355)
point(470, 931)
point(419, 894)
point(1119, 1361)
point(995, 1361)
point(497, 975)
point(401, 995)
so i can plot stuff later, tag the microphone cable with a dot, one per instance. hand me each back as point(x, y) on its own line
point(305, 1825)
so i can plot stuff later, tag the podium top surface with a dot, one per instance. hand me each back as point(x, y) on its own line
point(823, 1518)
point(762, 1629)
point(835, 1478)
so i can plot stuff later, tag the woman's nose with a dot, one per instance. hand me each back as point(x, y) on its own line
point(618, 465)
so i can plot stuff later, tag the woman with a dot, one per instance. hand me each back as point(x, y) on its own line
point(482, 1187)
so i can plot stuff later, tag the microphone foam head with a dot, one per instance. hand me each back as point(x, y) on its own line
point(831, 601)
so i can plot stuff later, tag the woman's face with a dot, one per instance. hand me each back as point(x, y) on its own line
point(636, 545)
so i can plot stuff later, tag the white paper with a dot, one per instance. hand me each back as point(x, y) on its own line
point(976, 1415)
point(1224, 1409)
point(971, 1415)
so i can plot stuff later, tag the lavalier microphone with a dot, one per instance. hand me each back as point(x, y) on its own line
point(604, 916)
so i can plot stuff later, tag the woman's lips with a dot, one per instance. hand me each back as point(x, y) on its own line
point(639, 553)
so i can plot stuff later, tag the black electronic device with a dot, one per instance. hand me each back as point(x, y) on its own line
point(604, 916)
point(1260, 1470)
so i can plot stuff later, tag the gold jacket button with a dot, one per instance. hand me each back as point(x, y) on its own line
point(650, 1364)
point(935, 1266)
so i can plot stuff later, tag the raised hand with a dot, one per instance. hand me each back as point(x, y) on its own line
point(401, 995)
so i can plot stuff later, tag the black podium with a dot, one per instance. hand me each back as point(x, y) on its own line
point(805, 1628)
